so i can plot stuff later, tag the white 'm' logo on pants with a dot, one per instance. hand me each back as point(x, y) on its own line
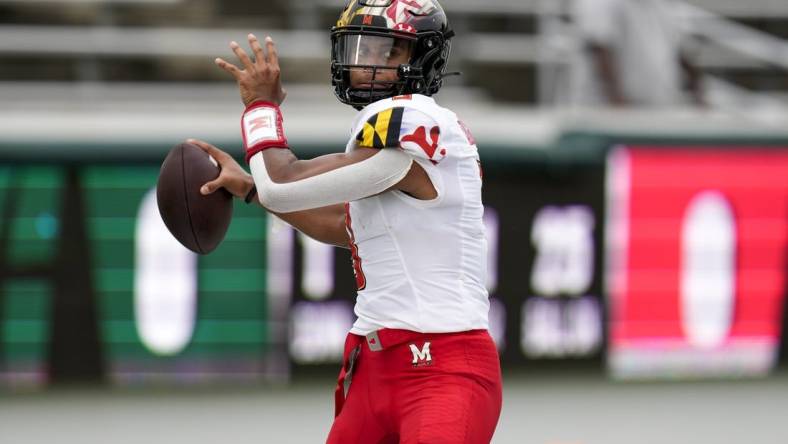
point(422, 355)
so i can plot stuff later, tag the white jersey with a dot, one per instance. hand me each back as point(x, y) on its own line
point(420, 265)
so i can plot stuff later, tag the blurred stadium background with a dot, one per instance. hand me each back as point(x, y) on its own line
point(637, 262)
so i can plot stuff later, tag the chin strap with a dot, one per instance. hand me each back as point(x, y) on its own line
point(449, 74)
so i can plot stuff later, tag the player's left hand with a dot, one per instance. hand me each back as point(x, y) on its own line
point(260, 78)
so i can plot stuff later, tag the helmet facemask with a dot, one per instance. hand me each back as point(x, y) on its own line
point(372, 66)
point(364, 71)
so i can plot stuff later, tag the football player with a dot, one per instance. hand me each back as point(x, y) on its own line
point(405, 197)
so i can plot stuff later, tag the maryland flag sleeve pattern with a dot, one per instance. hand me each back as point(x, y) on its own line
point(382, 130)
point(408, 129)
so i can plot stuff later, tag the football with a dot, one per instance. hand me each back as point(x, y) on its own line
point(198, 222)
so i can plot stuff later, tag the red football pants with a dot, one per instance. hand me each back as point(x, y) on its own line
point(398, 386)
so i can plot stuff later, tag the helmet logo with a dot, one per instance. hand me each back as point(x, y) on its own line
point(422, 23)
point(405, 27)
point(401, 11)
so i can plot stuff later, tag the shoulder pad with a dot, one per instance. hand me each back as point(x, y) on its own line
point(407, 128)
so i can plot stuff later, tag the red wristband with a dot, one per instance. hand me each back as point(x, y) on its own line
point(261, 127)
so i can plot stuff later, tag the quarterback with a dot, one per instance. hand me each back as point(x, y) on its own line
point(405, 197)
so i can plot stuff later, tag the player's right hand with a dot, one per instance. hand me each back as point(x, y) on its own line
point(260, 78)
point(232, 177)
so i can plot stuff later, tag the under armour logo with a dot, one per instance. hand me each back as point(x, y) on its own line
point(260, 123)
point(421, 357)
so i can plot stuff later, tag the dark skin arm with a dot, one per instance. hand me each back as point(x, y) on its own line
point(260, 80)
point(325, 224)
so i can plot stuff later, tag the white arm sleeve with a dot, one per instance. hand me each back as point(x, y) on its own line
point(352, 182)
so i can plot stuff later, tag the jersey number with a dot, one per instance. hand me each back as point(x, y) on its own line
point(361, 280)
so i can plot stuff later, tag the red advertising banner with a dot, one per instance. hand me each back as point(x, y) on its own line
point(697, 241)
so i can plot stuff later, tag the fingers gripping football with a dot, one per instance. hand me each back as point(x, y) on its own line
point(231, 176)
point(258, 79)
